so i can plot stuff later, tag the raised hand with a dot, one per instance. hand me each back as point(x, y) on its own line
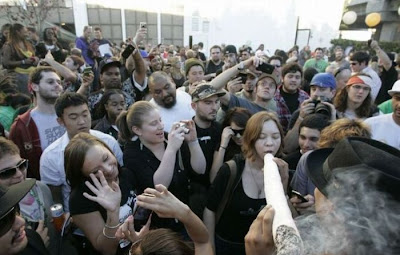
point(109, 197)
point(176, 136)
point(162, 202)
point(127, 230)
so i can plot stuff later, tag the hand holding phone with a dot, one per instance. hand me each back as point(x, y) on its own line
point(266, 68)
point(299, 196)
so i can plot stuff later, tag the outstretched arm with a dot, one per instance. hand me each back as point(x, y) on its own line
point(166, 205)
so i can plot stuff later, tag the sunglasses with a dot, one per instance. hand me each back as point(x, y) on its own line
point(7, 221)
point(354, 63)
point(10, 172)
point(238, 133)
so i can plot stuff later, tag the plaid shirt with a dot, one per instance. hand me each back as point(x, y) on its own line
point(283, 110)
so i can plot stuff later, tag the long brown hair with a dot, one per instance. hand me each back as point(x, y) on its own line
point(341, 103)
point(14, 40)
point(74, 156)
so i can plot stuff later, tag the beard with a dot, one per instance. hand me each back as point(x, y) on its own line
point(170, 103)
point(48, 98)
point(338, 58)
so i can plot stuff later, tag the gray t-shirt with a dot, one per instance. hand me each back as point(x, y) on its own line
point(48, 127)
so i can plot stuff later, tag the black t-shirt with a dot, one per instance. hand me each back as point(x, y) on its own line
point(208, 139)
point(388, 78)
point(213, 68)
point(143, 164)
point(78, 204)
point(291, 100)
point(240, 211)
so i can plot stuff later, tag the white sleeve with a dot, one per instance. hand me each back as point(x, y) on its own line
point(49, 170)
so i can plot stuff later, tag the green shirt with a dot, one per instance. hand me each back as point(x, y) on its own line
point(386, 107)
point(7, 116)
point(320, 65)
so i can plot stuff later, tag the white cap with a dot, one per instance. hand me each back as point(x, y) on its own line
point(395, 88)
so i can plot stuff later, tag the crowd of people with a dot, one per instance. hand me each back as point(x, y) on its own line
point(174, 150)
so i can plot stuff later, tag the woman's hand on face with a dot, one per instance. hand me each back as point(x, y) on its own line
point(226, 136)
point(162, 202)
point(283, 172)
point(176, 136)
point(109, 197)
point(127, 230)
point(259, 239)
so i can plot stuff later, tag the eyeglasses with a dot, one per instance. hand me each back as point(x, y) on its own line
point(238, 133)
point(10, 172)
point(358, 87)
point(7, 221)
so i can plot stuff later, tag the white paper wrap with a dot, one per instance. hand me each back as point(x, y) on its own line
point(275, 195)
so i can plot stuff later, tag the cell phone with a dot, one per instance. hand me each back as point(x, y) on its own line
point(299, 196)
point(243, 76)
point(266, 68)
point(87, 70)
point(143, 25)
point(140, 216)
point(128, 51)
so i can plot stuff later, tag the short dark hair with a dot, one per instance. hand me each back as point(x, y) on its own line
point(275, 57)
point(292, 68)
point(216, 47)
point(315, 121)
point(68, 99)
point(360, 57)
point(201, 44)
point(318, 48)
point(36, 75)
point(97, 28)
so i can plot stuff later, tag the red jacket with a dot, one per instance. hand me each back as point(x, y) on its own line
point(25, 135)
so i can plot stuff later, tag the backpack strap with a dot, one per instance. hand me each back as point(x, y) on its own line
point(228, 190)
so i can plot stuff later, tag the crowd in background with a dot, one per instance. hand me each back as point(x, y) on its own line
point(148, 147)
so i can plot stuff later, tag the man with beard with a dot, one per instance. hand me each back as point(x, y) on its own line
point(205, 102)
point(340, 60)
point(174, 105)
point(386, 127)
point(248, 87)
point(36, 129)
point(215, 63)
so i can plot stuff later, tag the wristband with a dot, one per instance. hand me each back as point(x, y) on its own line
point(111, 227)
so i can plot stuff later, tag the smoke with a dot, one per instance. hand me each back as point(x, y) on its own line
point(364, 220)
